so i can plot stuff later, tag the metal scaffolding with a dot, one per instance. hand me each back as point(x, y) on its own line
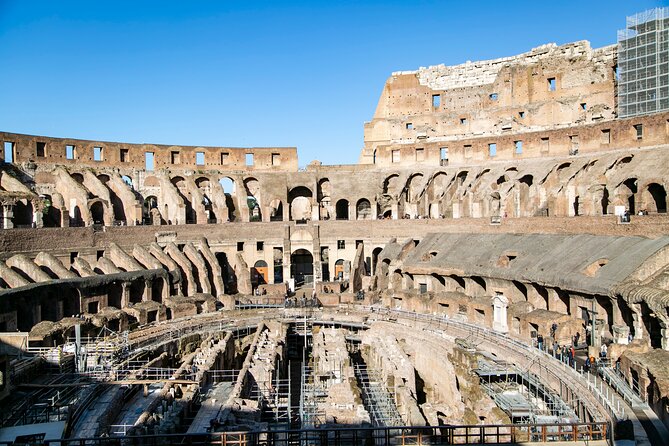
point(643, 63)
point(378, 401)
point(522, 395)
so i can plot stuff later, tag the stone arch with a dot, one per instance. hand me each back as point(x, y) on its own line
point(438, 185)
point(341, 209)
point(375, 258)
point(323, 195)
point(363, 209)
point(391, 185)
point(654, 198)
point(182, 188)
point(339, 269)
point(413, 187)
point(97, 211)
point(118, 209)
point(229, 190)
point(23, 213)
point(478, 286)
point(299, 200)
point(204, 186)
point(259, 273)
point(52, 213)
point(127, 180)
point(625, 194)
point(302, 266)
point(78, 177)
point(252, 187)
point(276, 210)
point(150, 203)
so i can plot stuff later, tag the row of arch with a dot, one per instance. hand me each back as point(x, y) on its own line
point(568, 189)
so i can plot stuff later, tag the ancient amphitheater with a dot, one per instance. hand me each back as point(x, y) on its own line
point(507, 219)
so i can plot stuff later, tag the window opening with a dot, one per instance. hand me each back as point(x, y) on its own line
point(70, 152)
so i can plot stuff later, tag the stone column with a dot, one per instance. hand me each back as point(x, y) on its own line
point(636, 320)
point(286, 253)
point(8, 216)
point(395, 209)
point(316, 249)
point(125, 295)
point(147, 295)
point(500, 303)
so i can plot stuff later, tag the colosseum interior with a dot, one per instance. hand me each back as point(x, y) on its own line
point(503, 224)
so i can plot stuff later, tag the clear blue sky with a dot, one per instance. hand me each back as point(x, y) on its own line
point(305, 74)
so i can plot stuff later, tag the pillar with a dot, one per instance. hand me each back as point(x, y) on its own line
point(147, 295)
point(8, 216)
point(500, 303)
point(125, 295)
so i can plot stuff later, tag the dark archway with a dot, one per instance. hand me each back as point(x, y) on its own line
point(52, 215)
point(659, 196)
point(97, 213)
point(302, 267)
point(631, 184)
point(341, 209)
point(375, 258)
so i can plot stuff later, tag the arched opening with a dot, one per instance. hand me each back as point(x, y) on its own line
point(259, 273)
point(252, 187)
point(276, 210)
point(150, 202)
point(414, 188)
point(204, 185)
point(391, 185)
point(51, 214)
point(23, 213)
point(127, 180)
point(228, 186)
point(630, 192)
point(341, 209)
point(521, 288)
point(323, 196)
point(97, 213)
point(118, 210)
point(302, 267)
point(658, 198)
point(76, 218)
point(364, 209)
point(299, 199)
point(227, 273)
point(79, 178)
point(180, 184)
point(477, 290)
point(375, 258)
point(339, 269)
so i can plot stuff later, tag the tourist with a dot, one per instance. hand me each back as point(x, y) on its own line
point(603, 351)
point(540, 342)
point(572, 356)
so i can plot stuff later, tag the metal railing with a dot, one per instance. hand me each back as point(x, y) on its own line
point(609, 400)
point(379, 436)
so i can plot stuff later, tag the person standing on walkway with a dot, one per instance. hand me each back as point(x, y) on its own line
point(572, 356)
